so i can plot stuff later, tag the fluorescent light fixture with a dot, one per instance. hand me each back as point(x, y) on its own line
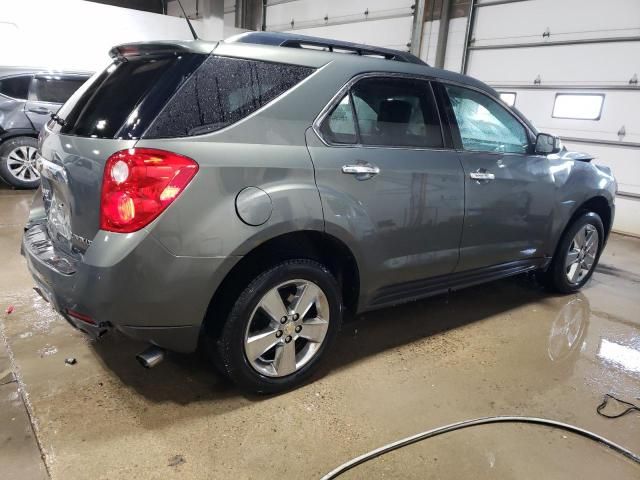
point(508, 97)
point(578, 106)
point(627, 357)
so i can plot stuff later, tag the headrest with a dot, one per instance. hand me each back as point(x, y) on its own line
point(394, 111)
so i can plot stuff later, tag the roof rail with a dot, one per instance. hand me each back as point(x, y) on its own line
point(303, 41)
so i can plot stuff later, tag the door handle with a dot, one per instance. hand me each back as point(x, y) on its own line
point(362, 171)
point(39, 110)
point(481, 175)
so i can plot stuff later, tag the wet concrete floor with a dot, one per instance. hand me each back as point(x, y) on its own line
point(506, 348)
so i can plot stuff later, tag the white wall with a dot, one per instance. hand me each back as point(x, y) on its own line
point(76, 34)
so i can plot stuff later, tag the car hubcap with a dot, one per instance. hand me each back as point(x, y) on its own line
point(21, 163)
point(287, 328)
point(582, 254)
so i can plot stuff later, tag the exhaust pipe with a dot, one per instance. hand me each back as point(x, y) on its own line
point(151, 357)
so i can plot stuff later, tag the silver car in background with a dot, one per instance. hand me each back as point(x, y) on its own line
point(28, 98)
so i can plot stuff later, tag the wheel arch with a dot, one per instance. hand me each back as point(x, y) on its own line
point(597, 204)
point(11, 134)
point(311, 244)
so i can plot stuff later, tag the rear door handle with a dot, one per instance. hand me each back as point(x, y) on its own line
point(39, 110)
point(481, 175)
point(362, 171)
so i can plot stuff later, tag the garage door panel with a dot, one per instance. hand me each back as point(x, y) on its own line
point(306, 12)
point(521, 22)
point(587, 64)
point(619, 108)
point(391, 33)
point(627, 219)
point(622, 161)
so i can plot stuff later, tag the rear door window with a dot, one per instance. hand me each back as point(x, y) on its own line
point(15, 87)
point(53, 89)
point(221, 92)
point(380, 111)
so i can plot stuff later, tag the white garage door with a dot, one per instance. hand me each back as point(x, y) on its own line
point(573, 66)
point(383, 23)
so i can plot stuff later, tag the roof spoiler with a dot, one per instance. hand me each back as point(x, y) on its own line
point(141, 49)
point(124, 51)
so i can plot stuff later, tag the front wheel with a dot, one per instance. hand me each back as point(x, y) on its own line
point(577, 255)
point(280, 327)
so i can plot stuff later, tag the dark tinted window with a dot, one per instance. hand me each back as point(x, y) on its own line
point(396, 112)
point(54, 90)
point(15, 87)
point(339, 126)
point(221, 92)
point(115, 97)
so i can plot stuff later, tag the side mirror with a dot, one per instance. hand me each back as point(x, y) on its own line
point(547, 144)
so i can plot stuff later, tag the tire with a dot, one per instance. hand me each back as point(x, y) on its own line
point(562, 276)
point(269, 372)
point(17, 162)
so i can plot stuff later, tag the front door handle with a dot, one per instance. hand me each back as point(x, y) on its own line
point(481, 175)
point(39, 110)
point(362, 171)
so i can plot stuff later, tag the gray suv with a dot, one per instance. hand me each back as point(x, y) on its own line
point(28, 98)
point(244, 196)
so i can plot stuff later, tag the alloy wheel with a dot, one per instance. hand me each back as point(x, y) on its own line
point(21, 163)
point(582, 254)
point(287, 328)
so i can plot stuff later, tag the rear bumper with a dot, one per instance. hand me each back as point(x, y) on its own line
point(127, 282)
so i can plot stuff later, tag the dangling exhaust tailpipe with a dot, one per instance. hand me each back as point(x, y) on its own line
point(151, 357)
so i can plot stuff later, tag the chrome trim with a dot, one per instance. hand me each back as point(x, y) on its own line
point(411, 76)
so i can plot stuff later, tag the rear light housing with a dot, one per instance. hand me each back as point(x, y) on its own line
point(139, 184)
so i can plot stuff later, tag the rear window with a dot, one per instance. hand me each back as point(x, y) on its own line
point(54, 90)
point(15, 87)
point(221, 92)
point(114, 104)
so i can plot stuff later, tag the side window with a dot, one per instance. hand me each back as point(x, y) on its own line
point(339, 126)
point(396, 112)
point(485, 125)
point(54, 90)
point(221, 92)
point(15, 87)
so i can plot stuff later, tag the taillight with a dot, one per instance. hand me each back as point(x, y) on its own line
point(139, 184)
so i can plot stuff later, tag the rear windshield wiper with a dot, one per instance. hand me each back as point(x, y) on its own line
point(58, 119)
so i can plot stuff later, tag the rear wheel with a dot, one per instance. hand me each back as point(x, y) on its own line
point(18, 162)
point(280, 327)
point(577, 255)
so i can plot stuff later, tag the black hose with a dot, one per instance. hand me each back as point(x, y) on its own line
point(472, 423)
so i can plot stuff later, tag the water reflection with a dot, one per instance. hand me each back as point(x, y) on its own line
point(569, 329)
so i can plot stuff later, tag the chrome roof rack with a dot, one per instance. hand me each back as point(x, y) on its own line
point(316, 43)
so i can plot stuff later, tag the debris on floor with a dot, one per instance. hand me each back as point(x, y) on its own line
point(9, 310)
point(176, 460)
point(70, 361)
